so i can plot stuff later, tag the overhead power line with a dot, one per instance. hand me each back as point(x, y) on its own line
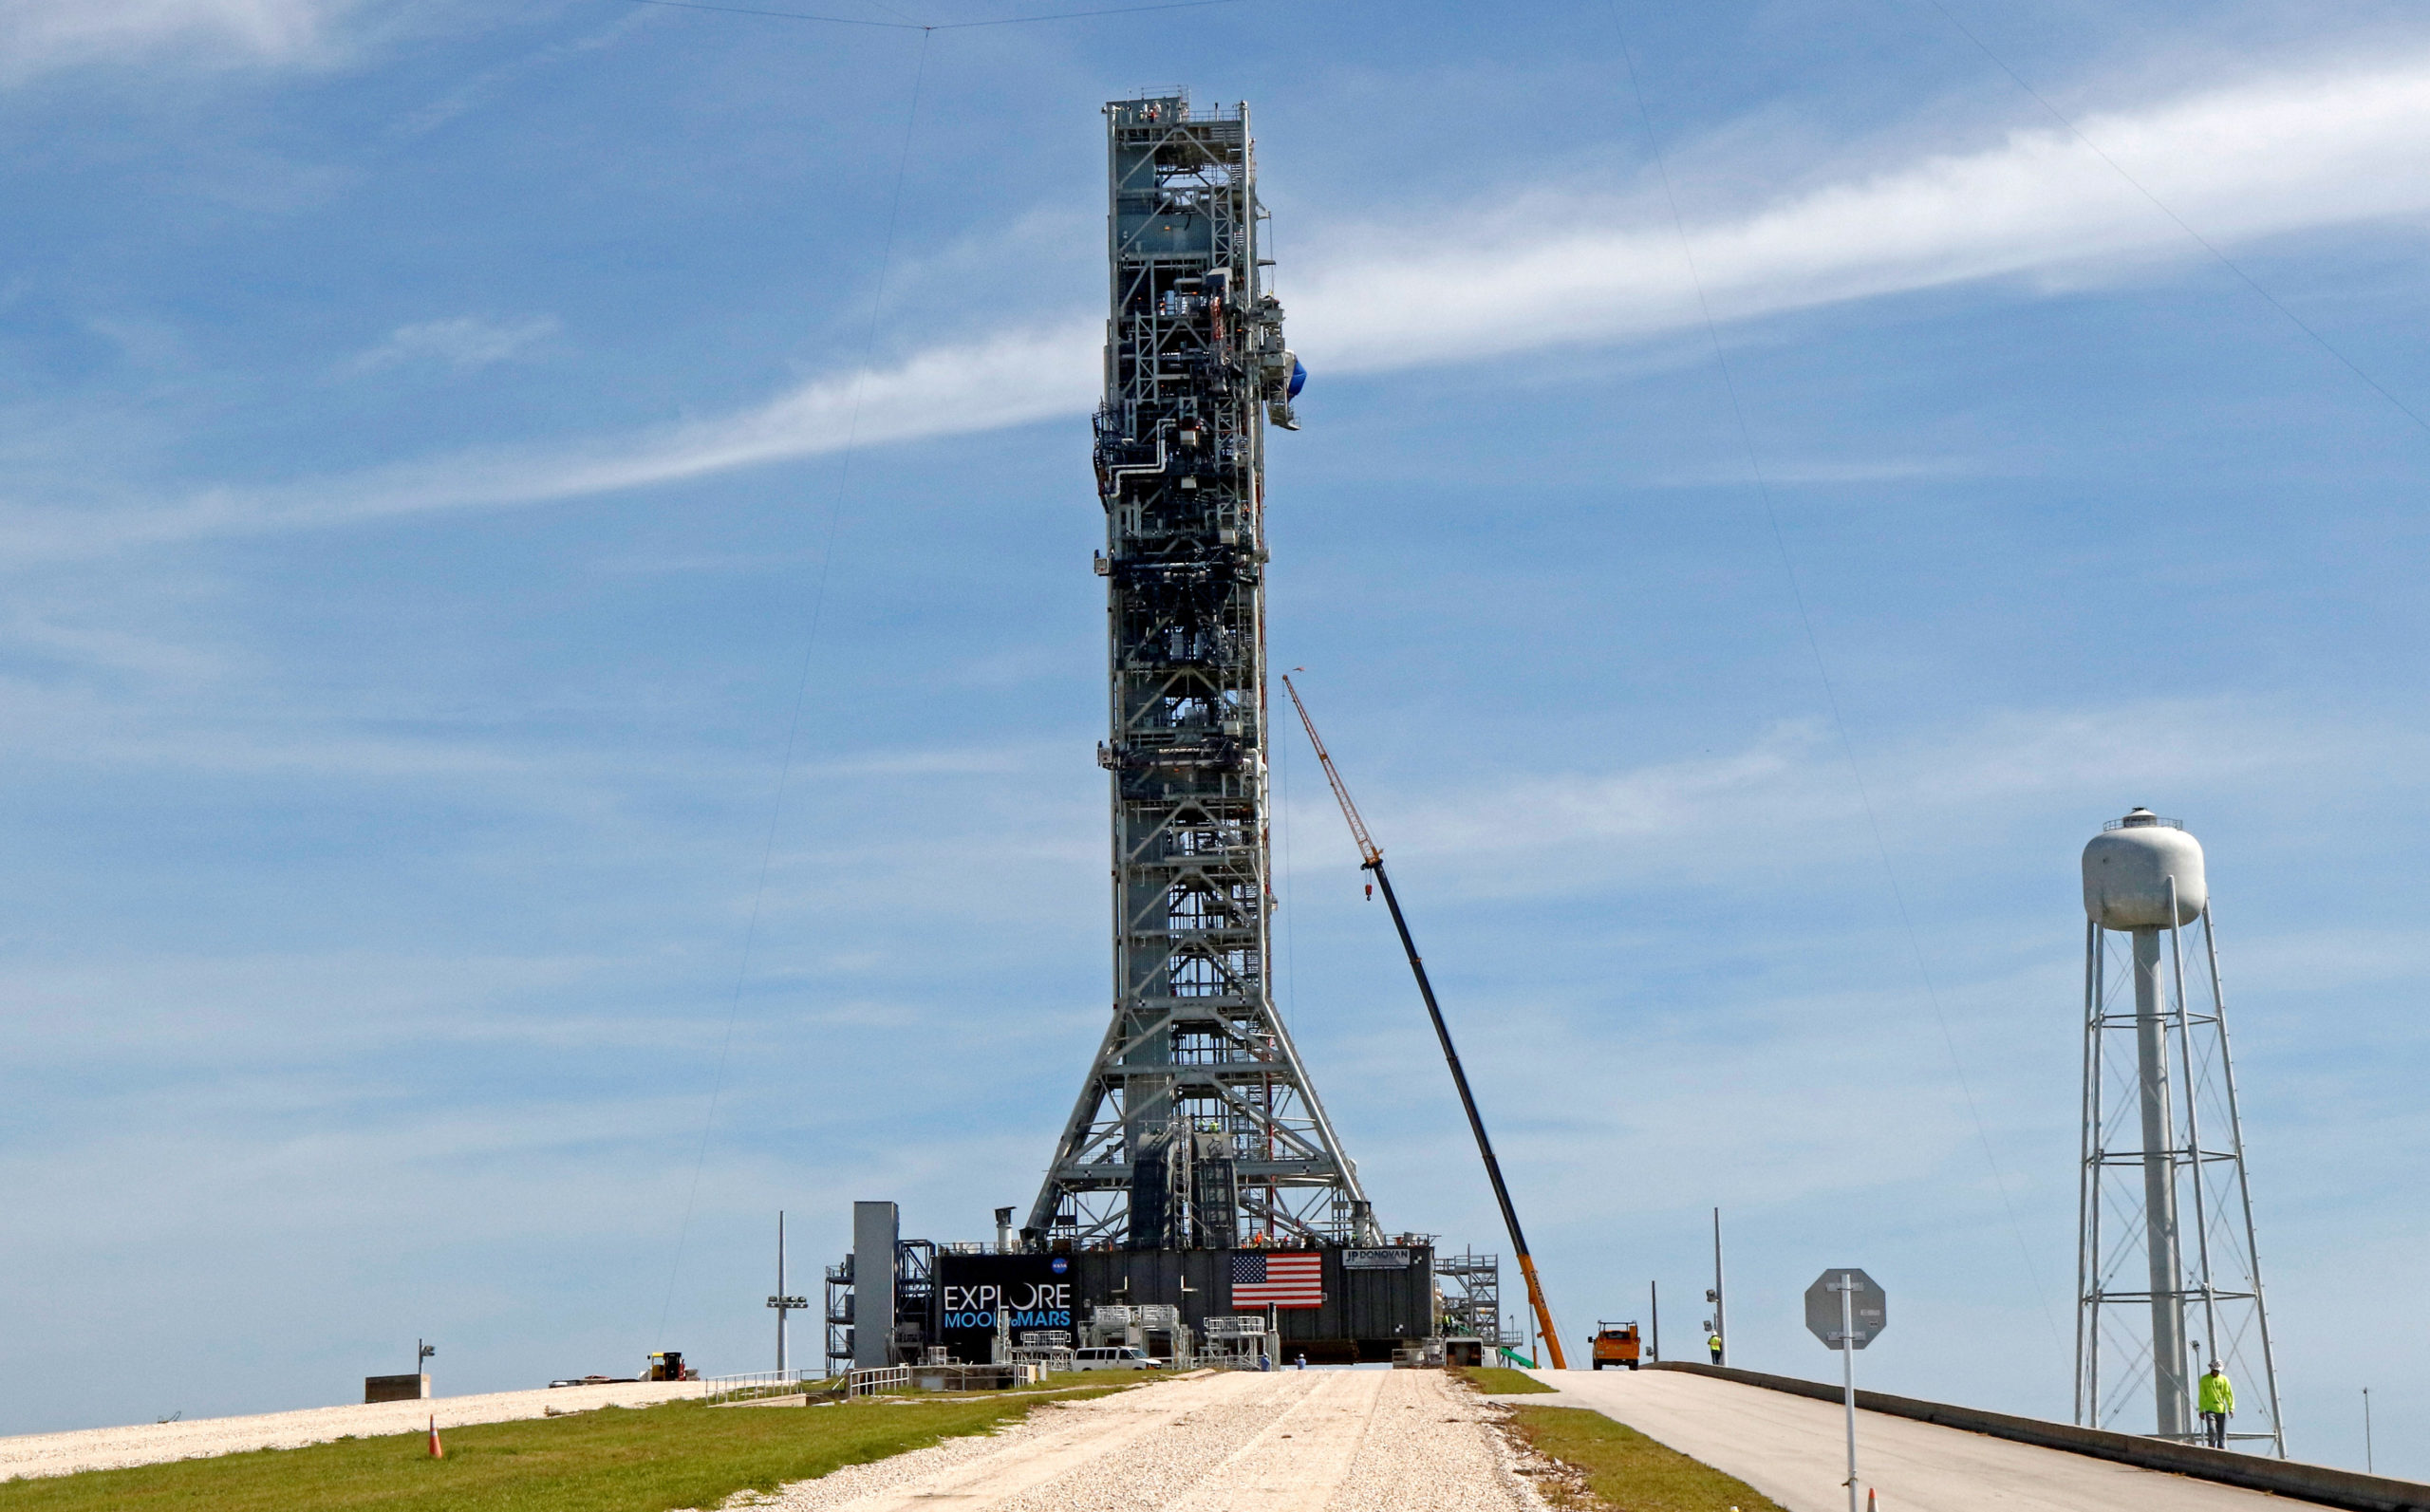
point(2179, 221)
point(938, 26)
point(841, 496)
point(1823, 671)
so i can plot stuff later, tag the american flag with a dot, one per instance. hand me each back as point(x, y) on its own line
point(1290, 1279)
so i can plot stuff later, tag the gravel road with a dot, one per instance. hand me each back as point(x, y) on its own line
point(113, 1448)
point(1291, 1441)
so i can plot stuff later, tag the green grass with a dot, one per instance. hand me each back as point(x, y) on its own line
point(1498, 1379)
point(613, 1460)
point(1622, 1467)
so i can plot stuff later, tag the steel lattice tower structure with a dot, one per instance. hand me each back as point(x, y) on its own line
point(2168, 1272)
point(1196, 1126)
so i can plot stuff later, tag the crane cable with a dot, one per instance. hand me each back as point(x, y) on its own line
point(1372, 860)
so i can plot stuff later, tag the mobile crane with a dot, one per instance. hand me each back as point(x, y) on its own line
point(1372, 859)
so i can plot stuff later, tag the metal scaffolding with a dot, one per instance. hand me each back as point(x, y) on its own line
point(838, 1316)
point(1196, 1126)
point(1472, 1286)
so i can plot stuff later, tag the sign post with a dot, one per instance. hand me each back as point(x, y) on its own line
point(1846, 1309)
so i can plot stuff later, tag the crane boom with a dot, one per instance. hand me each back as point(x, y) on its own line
point(1369, 857)
point(1372, 859)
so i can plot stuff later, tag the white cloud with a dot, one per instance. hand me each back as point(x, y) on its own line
point(39, 34)
point(462, 342)
point(1011, 380)
point(1788, 799)
point(2253, 161)
point(2262, 159)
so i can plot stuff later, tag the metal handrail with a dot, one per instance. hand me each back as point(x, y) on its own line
point(718, 1389)
point(879, 1380)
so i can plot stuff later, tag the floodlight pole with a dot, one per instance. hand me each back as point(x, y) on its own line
point(784, 1302)
point(1720, 1313)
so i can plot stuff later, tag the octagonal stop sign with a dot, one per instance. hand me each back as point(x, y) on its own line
point(1871, 1310)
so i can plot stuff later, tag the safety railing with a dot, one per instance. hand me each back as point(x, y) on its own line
point(878, 1382)
point(724, 1389)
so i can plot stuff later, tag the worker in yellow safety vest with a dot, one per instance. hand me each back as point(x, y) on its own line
point(2218, 1403)
point(1714, 1344)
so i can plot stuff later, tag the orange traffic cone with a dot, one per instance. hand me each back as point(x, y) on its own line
point(1868, 1500)
point(436, 1452)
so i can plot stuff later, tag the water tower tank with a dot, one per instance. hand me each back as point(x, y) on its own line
point(2127, 868)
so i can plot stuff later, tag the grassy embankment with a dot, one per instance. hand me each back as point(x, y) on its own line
point(612, 1460)
point(1499, 1380)
point(1618, 1467)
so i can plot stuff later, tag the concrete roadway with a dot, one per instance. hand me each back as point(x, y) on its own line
point(1795, 1451)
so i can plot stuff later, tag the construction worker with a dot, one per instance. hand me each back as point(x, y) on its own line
point(1714, 1344)
point(2218, 1404)
point(1303, 1362)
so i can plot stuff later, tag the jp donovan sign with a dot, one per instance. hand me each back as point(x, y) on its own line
point(1376, 1260)
point(1028, 1292)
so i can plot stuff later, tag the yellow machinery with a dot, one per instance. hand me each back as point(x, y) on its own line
point(1618, 1345)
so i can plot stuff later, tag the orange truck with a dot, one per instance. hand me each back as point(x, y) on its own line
point(1617, 1344)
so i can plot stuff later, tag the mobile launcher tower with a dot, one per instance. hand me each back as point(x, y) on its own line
point(2163, 1145)
point(1196, 1126)
point(1198, 1177)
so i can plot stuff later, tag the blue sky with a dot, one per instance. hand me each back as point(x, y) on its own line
point(436, 448)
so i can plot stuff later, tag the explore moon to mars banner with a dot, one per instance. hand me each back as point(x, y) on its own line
point(1033, 1291)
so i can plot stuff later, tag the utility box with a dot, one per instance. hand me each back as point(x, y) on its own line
point(396, 1388)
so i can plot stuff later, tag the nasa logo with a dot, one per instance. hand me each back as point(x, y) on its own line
point(1062, 1265)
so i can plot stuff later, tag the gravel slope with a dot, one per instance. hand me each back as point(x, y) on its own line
point(1292, 1440)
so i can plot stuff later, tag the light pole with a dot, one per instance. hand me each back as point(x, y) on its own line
point(784, 1302)
point(1720, 1318)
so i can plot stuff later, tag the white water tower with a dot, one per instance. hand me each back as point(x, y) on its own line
point(2164, 1222)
